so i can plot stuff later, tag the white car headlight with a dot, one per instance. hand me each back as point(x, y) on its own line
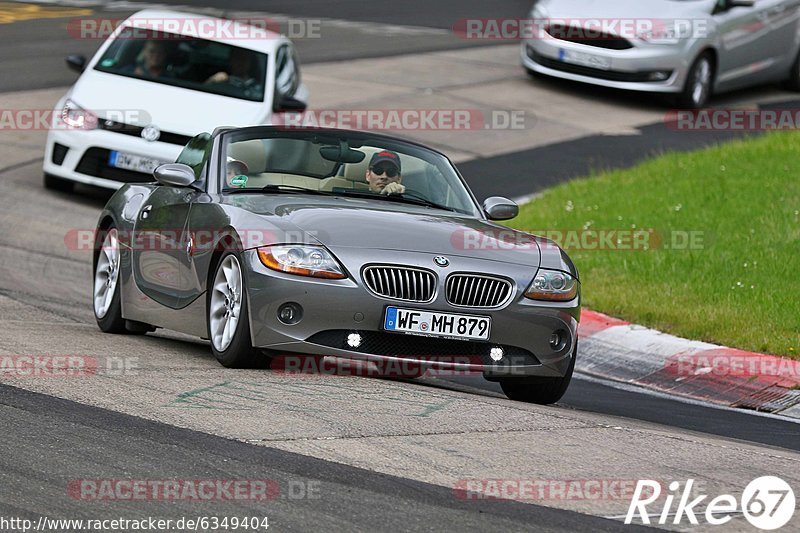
point(302, 260)
point(77, 118)
point(552, 285)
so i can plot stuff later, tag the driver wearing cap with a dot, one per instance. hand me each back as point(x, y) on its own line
point(383, 173)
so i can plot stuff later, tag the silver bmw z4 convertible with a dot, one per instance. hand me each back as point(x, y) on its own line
point(273, 242)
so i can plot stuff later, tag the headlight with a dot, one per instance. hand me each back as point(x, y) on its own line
point(78, 118)
point(668, 32)
point(313, 261)
point(552, 285)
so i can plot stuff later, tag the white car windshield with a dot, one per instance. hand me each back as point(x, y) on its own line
point(187, 62)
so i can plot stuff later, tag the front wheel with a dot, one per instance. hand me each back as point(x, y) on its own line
point(793, 82)
point(544, 391)
point(699, 82)
point(228, 321)
point(106, 298)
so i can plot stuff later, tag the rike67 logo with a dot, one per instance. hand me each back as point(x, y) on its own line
point(767, 502)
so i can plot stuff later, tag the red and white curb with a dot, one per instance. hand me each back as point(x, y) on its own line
point(620, 351)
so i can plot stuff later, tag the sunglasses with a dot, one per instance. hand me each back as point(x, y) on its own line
point(389, 170)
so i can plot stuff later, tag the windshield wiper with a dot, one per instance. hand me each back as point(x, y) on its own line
point(280, 188)
point(293, 188)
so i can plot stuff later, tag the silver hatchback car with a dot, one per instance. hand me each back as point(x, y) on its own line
point(689, 48)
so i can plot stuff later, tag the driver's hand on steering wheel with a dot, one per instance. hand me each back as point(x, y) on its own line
point(394, 188)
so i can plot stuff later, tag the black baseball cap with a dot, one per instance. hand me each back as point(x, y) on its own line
point(385, 155)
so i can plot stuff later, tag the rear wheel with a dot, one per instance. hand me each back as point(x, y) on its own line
point(699, 82)
point(54, 183)
point(228, 320)
point(544, 391)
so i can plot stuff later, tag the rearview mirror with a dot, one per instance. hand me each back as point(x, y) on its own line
point(289, 104)
point(499, 208)
point(76, 62)
point(174, 174)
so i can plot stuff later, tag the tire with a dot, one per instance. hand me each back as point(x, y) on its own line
point(793, 82)
point(544, 391)
point(699, 83)
point(227, 314)
point(106, 297)
point(54, 183)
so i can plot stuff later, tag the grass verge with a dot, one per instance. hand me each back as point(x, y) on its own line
point(707, 244)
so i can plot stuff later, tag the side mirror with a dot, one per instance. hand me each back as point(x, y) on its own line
point(499, 208)
point(76, 62)
point(174, 174)
point(289, 104)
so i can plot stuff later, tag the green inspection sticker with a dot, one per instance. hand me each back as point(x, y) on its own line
point(239, 180)
point(108, 62)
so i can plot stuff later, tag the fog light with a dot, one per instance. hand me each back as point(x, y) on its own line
point(496, 353)
point(354, 340)
point(290, 313)
point(558, 339)
point(660, 75)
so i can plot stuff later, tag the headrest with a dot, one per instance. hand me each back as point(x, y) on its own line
point(250, 153)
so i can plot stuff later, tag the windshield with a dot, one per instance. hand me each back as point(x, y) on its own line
point(342, 163)
point(188, 62)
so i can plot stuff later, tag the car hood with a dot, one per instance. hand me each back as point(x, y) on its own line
point(624, 9)
point(172, 109)
point(351, 223)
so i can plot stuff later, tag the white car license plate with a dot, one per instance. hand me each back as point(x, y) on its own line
point(435, 324)
point(584, 59)
point(133, 162)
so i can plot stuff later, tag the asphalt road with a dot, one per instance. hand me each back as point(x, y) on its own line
point(32, 51)
point(385, 452)
point(592, 395)
point(75, 442)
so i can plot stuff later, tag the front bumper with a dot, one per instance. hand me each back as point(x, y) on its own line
point(82, 156)
point(629, 69)
point(334, 309)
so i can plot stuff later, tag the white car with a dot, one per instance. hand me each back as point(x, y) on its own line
point(148, 91)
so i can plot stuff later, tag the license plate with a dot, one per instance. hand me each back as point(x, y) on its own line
point(435, 324)
point(584, 59)
point(133, 162)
